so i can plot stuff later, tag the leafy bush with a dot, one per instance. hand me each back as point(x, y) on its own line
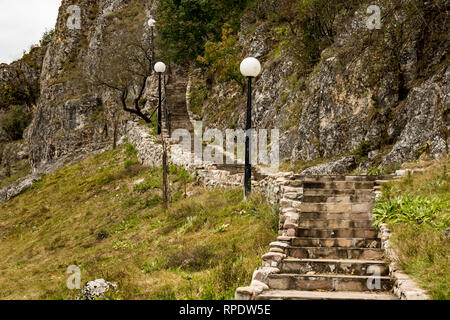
point(417, 210)
point(47, 37)
point(223, 57)
point(10, 95)
point(185, 26)
point(14, 121)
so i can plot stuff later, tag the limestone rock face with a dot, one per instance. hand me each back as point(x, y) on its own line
point(73, 116)
point(340, 166)
point(352, 97)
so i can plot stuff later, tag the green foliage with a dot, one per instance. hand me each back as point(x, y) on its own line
point(47, 37)
point(223, 58)
point(221, 284)
point(416, 210)
point(423, 252)
point(198, 95)
point(130, 150)
point(185, 26)
point(14, 121)
point(307, 27)
point(10, 95)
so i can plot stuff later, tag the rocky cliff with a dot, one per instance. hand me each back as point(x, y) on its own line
point(74, 115)
point(380, 97)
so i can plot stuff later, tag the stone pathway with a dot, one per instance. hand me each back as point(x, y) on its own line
point(327, 248)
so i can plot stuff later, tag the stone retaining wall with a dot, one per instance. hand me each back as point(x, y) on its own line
point(150, 151)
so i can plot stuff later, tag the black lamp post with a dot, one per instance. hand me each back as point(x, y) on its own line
point(250, 68)
point(160, 68)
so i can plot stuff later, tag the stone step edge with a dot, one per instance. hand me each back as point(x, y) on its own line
point(335, 248)
point(323, 295)
point(330, 276)
point(291, 259)
point(325, 239)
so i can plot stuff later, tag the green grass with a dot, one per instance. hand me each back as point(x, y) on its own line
point(95, 216)
point(417, 210)
point(18, 170)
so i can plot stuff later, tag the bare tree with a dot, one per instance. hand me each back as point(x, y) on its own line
point(126, 66)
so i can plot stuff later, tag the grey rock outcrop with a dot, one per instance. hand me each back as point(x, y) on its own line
point(96, 289)
point(340, 166)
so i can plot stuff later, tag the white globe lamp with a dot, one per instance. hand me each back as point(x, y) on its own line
point(160, 67)
point(250, 67)
point(151, 22)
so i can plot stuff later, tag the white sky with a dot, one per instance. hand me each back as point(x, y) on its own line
point(22, 23)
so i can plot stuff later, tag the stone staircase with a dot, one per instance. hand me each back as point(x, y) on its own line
point(327, 248)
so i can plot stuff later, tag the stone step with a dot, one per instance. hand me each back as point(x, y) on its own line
point(320, 295)
point(337, 242)
point(335, 215)
point(335, 253)
point(334, 223)
point(339, 198)
point(339, 185)
point(334, 192)
point(336, 207)
point(337, 233)
point(333, 266)
point(285, 281)
point(341, 178)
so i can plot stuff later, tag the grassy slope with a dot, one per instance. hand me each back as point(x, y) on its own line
point(423, 250)
point(93, 215)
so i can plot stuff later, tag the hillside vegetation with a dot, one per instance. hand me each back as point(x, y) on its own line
point(104, 215)
point(417, 210)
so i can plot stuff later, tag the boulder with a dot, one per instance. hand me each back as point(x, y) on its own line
point(96, 289)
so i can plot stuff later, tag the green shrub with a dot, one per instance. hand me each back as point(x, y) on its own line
point(14, 121)
point(223, 58)
point(185, 26)
point(417, 210)
point(47, 37)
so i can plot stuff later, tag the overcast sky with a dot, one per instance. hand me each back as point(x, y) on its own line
point(22, 23)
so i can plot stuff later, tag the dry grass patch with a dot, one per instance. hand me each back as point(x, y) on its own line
point(93, 215)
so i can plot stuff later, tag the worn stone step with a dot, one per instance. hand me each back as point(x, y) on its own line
point(337, 242)
point(285, 281)
point(334, 223)
point(337, 233)
point(336, 207)
point(335, 192)
point(335, 253)
point(339, 198)
point(341, 178)
point(334, 266)
point(339, 185)
point(335, 215)
point(320, 295)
